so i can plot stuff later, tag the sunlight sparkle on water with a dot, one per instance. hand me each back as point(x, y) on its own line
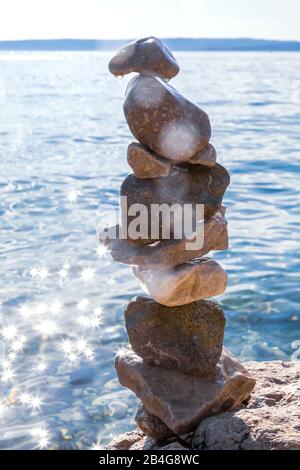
point(9, 332)
point(41, 367)
point(83, 305)
point(55, 308)
point(72, 195)
point(25, 311)
point(7, 374)
point(25, 398)
point(36, 402)
point(42, 437)
point(47, 327)
point(63, 274)
point(43, 273)
point(101, 251)
point(88, 274)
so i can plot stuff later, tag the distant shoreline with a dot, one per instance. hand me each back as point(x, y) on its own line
point(177, 44)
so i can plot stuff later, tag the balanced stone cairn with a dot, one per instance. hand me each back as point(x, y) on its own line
point(176, 363)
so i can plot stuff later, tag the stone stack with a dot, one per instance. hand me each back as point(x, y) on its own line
point(176, 363)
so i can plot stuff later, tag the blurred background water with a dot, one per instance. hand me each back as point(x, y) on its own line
point(63, 141)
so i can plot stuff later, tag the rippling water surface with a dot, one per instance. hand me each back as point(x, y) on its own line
point(63, 145)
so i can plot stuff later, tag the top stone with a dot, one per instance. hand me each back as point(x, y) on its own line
point(149, 56)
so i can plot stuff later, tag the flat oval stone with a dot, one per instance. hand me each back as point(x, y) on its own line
point(167, 253)
point(149, 56)
point(187, 338)
point(163, 120)
point(186, 283)
point(188, 184)
point(146, 164)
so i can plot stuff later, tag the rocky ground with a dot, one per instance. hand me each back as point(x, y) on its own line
point(270, 420)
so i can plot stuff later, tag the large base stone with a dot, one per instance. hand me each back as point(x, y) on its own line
point(269, 421)
point(187, 338)
point(181, 401)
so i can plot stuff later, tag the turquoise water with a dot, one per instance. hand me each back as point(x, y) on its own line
point(63, 145)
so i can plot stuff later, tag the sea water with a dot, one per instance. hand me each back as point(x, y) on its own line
point(63, 141)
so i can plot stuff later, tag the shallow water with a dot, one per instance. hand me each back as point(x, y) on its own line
point(63, 145)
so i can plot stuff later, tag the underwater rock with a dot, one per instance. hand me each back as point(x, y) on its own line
point(146, 164)
point(187, 338)
point(149, 56)
point(198, 279)
point(181, 401)
point(82, 376)
point(163, 120)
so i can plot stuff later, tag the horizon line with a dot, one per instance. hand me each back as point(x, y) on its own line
point(176, 44)
point(249, 38)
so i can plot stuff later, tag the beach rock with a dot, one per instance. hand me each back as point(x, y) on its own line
point(226, 429)
point(198, 279)
point(206, 157)
point(193, 185)
point(149, 56)
point(163, 120)
point(136, 440)
point(125, 441)
point(146, 443)
point(146, 164)
point(187, 338)
point(172, 446)
point(182, 401)
point(271, 420)
point(152, 426)
point(168, 253)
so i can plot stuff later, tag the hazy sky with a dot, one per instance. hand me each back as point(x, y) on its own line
point(271, 19)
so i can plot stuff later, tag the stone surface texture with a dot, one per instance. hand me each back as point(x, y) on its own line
point(187, 338)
